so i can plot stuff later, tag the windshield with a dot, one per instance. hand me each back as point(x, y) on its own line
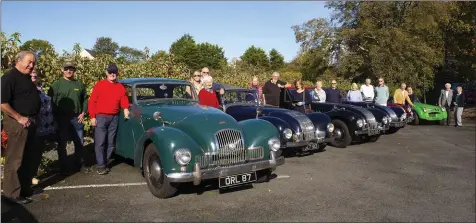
point(245, 96)
point(161, 92)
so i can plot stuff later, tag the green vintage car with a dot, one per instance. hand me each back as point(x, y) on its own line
point(175, 140)
point(428, 112)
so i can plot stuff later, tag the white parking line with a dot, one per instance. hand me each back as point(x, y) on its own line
point(94, 185)
point(283, 176)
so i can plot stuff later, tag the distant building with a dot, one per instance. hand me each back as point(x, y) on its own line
point(85, 53)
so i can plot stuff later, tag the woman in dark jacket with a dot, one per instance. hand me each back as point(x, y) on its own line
point(458, 101)
point(299, 95)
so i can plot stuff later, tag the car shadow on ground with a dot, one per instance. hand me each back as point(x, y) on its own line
point(14, 212)
point(289, 153)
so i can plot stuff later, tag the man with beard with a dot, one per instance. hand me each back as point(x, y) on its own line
point(21, 105)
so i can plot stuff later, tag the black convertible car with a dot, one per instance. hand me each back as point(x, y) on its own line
point(351, 123)
point(298, 131)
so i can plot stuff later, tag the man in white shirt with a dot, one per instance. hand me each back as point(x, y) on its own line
point(318, 94)
point(367, 91)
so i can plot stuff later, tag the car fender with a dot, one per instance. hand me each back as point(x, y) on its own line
point(320, 120)
point(167, 140)
point(348, 117)
point(279, 124)
point(257, 133)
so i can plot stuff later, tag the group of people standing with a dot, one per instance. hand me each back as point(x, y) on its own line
point(269, 94)
point(31, 116)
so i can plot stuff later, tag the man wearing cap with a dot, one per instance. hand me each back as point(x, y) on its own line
point(69, 100)
point(106, 100)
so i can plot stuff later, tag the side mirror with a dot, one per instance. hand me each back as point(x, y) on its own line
point(259, 111)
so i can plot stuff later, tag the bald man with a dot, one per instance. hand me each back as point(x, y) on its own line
point(21, 104)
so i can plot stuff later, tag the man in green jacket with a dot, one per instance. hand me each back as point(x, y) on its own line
point(69, 99)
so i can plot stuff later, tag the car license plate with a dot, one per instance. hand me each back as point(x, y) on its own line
point(374, 131)
point(238, 179)
point(432, 115)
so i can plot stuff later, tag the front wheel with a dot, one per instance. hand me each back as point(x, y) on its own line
point(416, 121)
point(159, 185)
point(263, 176)
point(442, 122)
point(393, 130)
point(342, 137)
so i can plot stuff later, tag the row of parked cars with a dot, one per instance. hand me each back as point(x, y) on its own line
point(174, 139)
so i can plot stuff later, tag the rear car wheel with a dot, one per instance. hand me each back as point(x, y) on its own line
point(342, 137)
point(159, 185)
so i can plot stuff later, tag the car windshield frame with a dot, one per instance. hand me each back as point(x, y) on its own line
point(256, 101)
point(136, 86)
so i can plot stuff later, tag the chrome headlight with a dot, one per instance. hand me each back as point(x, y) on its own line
point(424, 110)
point(360, 123)
point(443, 108)
point(287, 133)
point(274, 144)
point(330, 127)
point(385, 120)
point(389, 119)
point(183, 156)
point(404, 116)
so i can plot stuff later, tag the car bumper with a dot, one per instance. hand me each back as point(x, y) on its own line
point(434, 118)
point(202, 174)
point(369, 131)
point(398, 124)
point(302, 143)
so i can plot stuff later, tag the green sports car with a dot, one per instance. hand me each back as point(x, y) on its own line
point(428, 112)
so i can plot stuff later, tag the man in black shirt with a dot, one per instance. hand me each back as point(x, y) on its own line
point(272, 90)
point(20, 104)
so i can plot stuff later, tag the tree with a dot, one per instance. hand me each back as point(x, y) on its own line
point(255, 56)
point(129, 54)
point(160, 55)
point(38, 46)
point(9, 48)
point(186, 51)
point(105, 45)
point(276, 60)
point(211, 56)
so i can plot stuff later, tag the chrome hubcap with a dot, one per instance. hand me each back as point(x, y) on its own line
point(338, 133)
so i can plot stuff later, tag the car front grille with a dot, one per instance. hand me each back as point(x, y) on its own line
point(306, 124)
point(231, 151)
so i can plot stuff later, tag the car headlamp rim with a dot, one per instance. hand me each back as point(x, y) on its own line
point(330, 127)
point(360, 123)
point(287, 133)
point(274, 144)
point(183, 156)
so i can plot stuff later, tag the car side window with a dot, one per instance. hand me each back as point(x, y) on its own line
point(128, 92)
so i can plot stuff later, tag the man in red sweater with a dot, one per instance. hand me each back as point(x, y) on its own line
point(106, 100)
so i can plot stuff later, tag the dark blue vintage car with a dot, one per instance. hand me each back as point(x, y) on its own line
point(351, 123)
point(298, 131)
point(397, 117)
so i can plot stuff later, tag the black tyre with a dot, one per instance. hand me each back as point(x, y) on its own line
point(416, 121)
point(322, 147)
point(159, 185)
point(342, 137)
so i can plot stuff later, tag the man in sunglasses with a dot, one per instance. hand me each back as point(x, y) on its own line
point(381, 93)
point(69, 100)
point(333, 94)
point(215, 86)
point(105, 103)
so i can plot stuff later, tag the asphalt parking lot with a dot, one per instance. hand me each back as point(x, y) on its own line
point(421, 173)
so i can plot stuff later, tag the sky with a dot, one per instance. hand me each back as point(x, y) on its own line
point(157, 24)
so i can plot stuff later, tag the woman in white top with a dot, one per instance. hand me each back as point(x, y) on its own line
point(318, 94)
point(367, 91)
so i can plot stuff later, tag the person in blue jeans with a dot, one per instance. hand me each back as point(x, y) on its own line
point(69, 101)
point(107, 98)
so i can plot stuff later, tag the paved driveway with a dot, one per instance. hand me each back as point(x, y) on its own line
point(422, 173)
